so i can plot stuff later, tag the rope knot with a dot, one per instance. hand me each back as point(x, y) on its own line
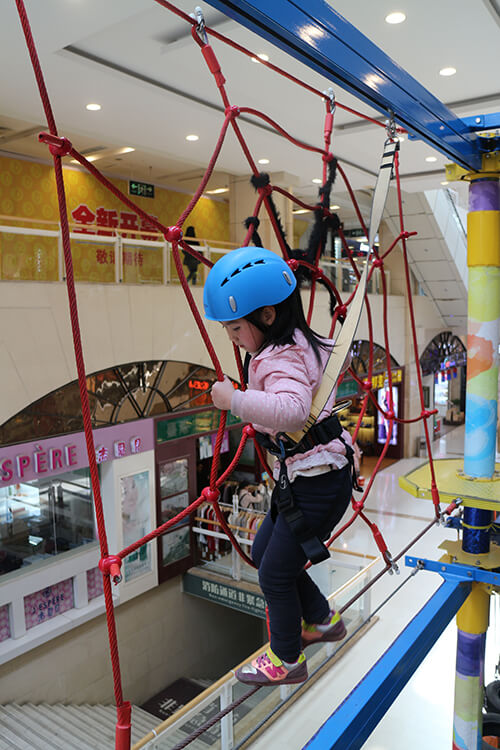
point(378, 262)
point(233, 111)
point(210, 495)
point(342, 312)
point(173, 234)
point(367, 385)
point(111, 566)
point(389, 415)
point(328, 157)
point(58, 145)
point(265, 190)
point(293, 264)
point(249, 430)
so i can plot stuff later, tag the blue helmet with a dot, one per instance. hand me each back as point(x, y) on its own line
point(244, 280)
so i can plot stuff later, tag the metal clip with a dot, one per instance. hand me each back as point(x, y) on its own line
point(394, 566)
point(331, 97)
point(200, 24)
point(390, 126)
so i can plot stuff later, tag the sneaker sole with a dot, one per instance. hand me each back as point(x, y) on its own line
point(263, 682)
point(337, 633)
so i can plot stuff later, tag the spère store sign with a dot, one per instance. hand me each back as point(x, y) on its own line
point(58, 455)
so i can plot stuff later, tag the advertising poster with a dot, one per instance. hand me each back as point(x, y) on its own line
point(175, 545)
point(136, 522)
point(383, 424)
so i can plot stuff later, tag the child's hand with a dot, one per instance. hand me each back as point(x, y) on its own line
point(222, 393)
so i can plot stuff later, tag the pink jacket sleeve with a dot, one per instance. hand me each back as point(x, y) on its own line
point(285, 401)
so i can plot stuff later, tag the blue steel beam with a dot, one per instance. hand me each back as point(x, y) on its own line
point(314, 33)
point(355, 719)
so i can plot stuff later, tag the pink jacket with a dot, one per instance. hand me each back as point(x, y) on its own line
point(281, 384)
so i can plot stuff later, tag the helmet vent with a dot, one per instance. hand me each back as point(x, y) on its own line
point(232, 303)
point(287, 278)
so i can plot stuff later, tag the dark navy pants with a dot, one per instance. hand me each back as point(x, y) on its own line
point(289, 591)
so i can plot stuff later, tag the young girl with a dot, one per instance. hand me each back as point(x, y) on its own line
point(254, 294)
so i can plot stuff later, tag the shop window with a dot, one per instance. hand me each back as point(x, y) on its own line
point(45, 517)
point(118, 394)
point(48, 603)
point(443, 352)
point(4, 623)
point(361, 358)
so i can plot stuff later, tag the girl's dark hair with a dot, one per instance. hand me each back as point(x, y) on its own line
point(289, 316)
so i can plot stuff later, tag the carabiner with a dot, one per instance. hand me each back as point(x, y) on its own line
point(200, 24)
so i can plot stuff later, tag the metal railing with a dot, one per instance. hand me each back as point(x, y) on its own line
point(104, 255)
point(235, 725)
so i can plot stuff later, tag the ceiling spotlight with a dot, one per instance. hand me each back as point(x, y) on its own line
point(316, 180)
point(192, 137)
point(263, 161)
point(88, 158)
point(396, 17)
point(431, 158)
point(93, 107)
point(127, 150)
point(217, 191)
point(334, 208)
point(445, 182)
point(260, 56)
point(447, 71)
point(301, 211)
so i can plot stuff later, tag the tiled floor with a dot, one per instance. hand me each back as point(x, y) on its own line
point(422, 715)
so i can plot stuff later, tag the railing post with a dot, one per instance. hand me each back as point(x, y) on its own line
point(226, 724)
point(117, 247)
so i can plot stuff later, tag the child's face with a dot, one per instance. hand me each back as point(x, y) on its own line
point(243, 333)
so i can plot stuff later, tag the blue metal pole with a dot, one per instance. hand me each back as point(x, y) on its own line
point(314, 33)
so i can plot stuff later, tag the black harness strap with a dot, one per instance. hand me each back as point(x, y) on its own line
point(282, 500)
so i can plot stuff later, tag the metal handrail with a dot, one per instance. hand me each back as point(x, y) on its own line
point(219, 688)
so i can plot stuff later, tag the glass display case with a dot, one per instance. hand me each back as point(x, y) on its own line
point(45, 517)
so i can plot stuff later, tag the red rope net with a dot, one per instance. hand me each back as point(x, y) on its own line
point(60, 146)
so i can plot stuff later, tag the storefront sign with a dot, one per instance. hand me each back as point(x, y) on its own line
point(236, 598)
point(55, 455)
point(191, 424)
point(348, 387)
point(378, 381)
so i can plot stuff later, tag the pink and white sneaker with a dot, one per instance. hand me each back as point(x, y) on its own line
point(268, 669)
point(332, 630)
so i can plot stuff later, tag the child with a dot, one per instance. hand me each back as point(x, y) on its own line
point(254, 294)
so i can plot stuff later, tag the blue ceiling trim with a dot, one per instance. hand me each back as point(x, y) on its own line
point(322, 39)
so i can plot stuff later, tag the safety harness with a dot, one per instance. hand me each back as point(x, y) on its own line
point(282, 499)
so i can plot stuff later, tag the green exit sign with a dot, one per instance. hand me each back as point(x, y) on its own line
point(144, 189)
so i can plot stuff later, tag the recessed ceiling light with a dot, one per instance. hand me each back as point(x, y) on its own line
point(430, 158)
point(260, 56)
point(396, 16)
point(334, 208)
point(317, 180)
point(93, 107)
point(301, 211)
point(127, 150)
point(447, 71)
point(89, 158)
point(263, 161)
point(445, 182)
point(192, 137)
point(217, 191)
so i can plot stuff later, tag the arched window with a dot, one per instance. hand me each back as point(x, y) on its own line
point(361, 357)
point(445, 350)
point(118, 394)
